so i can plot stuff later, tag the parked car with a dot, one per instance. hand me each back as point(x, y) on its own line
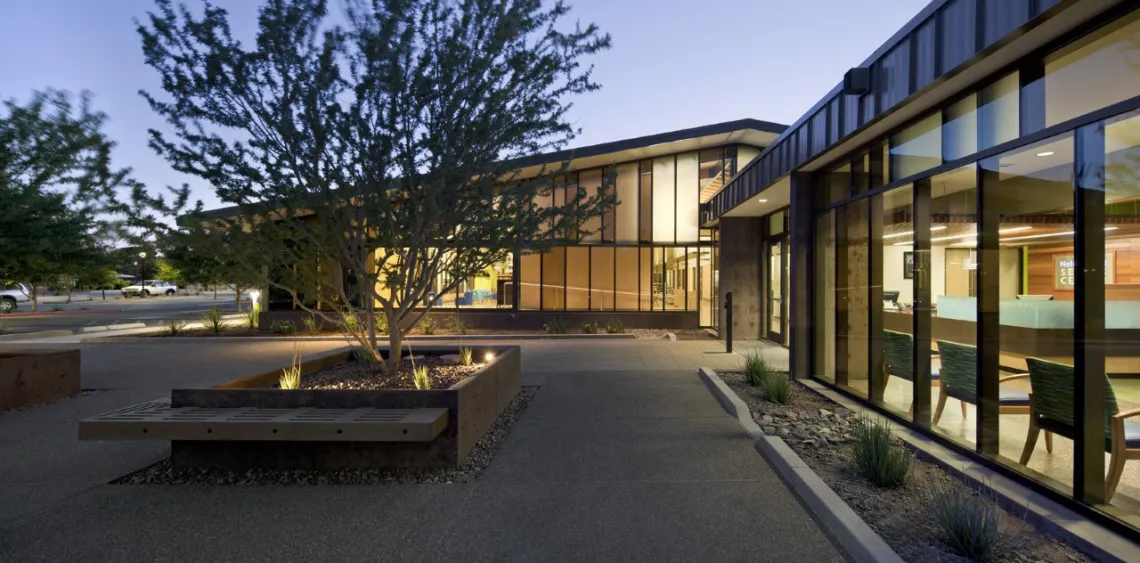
point(11, 295)
point(148, 288)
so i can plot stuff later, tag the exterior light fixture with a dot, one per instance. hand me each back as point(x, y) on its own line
point(1046, 153)
point(489, 356)
point(255, 298)
point(761, 201)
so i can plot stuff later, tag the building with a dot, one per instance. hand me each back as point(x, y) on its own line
point(650, 265)
point(952, 235)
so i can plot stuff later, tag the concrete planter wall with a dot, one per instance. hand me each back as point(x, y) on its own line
point(30, 377)
point(473, 406)
point(525, 320)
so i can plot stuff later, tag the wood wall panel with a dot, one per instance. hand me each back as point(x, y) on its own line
point(1127, 270)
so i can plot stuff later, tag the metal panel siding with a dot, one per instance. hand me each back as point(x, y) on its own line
point(925, 65)
point(868, 102)
point(850, 114)
point(819, 130)
point(833, 124)
point(1003, 16)
point(803, 149)
point(1043, 5)
point(894, 76)
point(957, 34)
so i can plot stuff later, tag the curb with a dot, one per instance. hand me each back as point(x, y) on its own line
point(107, 328)
point(835, 517)
point(50, 313)
point(16, 337)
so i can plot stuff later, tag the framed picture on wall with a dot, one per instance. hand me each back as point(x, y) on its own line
point(908, 265)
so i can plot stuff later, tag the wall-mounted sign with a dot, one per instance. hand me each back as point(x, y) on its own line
point(1065, 271)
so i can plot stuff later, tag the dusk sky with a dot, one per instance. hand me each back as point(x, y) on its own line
point(674, 63)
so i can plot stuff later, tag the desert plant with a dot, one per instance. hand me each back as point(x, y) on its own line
point(311, 325)
point(282, 327)
point(466, 356)
point(291, 376)
point(778, 388)
point(420, 378)
point(381, 323)
point(362, 356)
point(556, 326)
point(351, 323)
point(175, 326)
point(756, 369)
point(427, 326)
point(968, 517)
point(881, 458)
point(590, 328)
point(456, 325)
point(251, 316)
point(615, 326)
point(212, 320)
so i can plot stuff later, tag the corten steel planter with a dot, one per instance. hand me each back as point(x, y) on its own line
point(29, 377)
point(473, 406)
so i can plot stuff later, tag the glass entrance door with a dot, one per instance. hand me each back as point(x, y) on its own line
point(777, 278)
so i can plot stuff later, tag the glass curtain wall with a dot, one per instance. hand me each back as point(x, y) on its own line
point(994, 299)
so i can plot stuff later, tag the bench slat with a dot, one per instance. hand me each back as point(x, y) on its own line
point(155, 420)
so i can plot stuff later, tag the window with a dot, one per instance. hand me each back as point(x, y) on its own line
point(646, 290)
point(1094, 72)
point(664, 200)
point(554, 280)
point(577, 278)
point(960, 129)
point(998, 112)
point(530, 281)
point(917, 148)
point(713, 175)
point(645, 226)
point(628, 273)
point(602, 279)
point(675, 264)
point(627, 194)
point(590, 182)
point(688, 197)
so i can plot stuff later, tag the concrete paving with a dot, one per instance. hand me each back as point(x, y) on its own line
point(623, 455)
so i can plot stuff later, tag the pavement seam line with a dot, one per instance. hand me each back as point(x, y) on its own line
point(849, 532)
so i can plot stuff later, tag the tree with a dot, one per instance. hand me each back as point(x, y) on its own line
point(166, 270)
point(58, 191)
point(367, 160)
point(207, 256)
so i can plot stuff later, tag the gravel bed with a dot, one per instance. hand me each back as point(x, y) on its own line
point(480, 457)
point(82, 393)
point(355, 375)
point(818, 430)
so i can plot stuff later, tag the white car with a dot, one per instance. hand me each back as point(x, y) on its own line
point(148, 288)
point(12, 295)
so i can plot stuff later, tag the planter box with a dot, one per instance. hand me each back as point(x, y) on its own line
point(31, 377)
point(473, 406)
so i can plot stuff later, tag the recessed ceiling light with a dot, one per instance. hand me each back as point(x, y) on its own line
point(1046, 153)
point(762, 201)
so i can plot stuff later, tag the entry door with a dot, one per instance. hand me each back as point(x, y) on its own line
point(777, 277)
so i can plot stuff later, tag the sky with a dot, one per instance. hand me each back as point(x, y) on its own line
point(673, 64)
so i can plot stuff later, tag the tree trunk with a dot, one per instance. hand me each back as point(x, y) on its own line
point(237, 298)
point(395, 344)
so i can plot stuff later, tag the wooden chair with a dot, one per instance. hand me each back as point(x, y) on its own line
point(898, 361)
point(959, 381)
point(1052, 410)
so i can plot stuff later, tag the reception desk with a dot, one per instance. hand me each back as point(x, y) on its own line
point(1040, 329)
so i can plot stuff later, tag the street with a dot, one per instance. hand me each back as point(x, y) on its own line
point(55, 314)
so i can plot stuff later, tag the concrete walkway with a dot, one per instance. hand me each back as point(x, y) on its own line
point(623, 455)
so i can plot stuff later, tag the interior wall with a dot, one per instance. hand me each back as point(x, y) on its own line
point(893, 279)
point(1126, 270)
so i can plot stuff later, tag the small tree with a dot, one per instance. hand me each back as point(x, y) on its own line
point(165, 270)
point(369, 161)
point(58, 191)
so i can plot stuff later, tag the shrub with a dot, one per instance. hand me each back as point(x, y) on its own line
point(968, 518)
point(556, 326)
point(361, 355)
point(350, 322)
point(310, 324)
point(590, 328)
point(615, 326)
point(427, 326)
point(282, 327)
point(175, 326)
point(883, 460)
point(381, 322)
point(251, 316)
point(756, 369)
point(420, 378)
point(456, 325)
point(778, 388)
point(466, 356)
point(212, 320)
point(291, 376)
